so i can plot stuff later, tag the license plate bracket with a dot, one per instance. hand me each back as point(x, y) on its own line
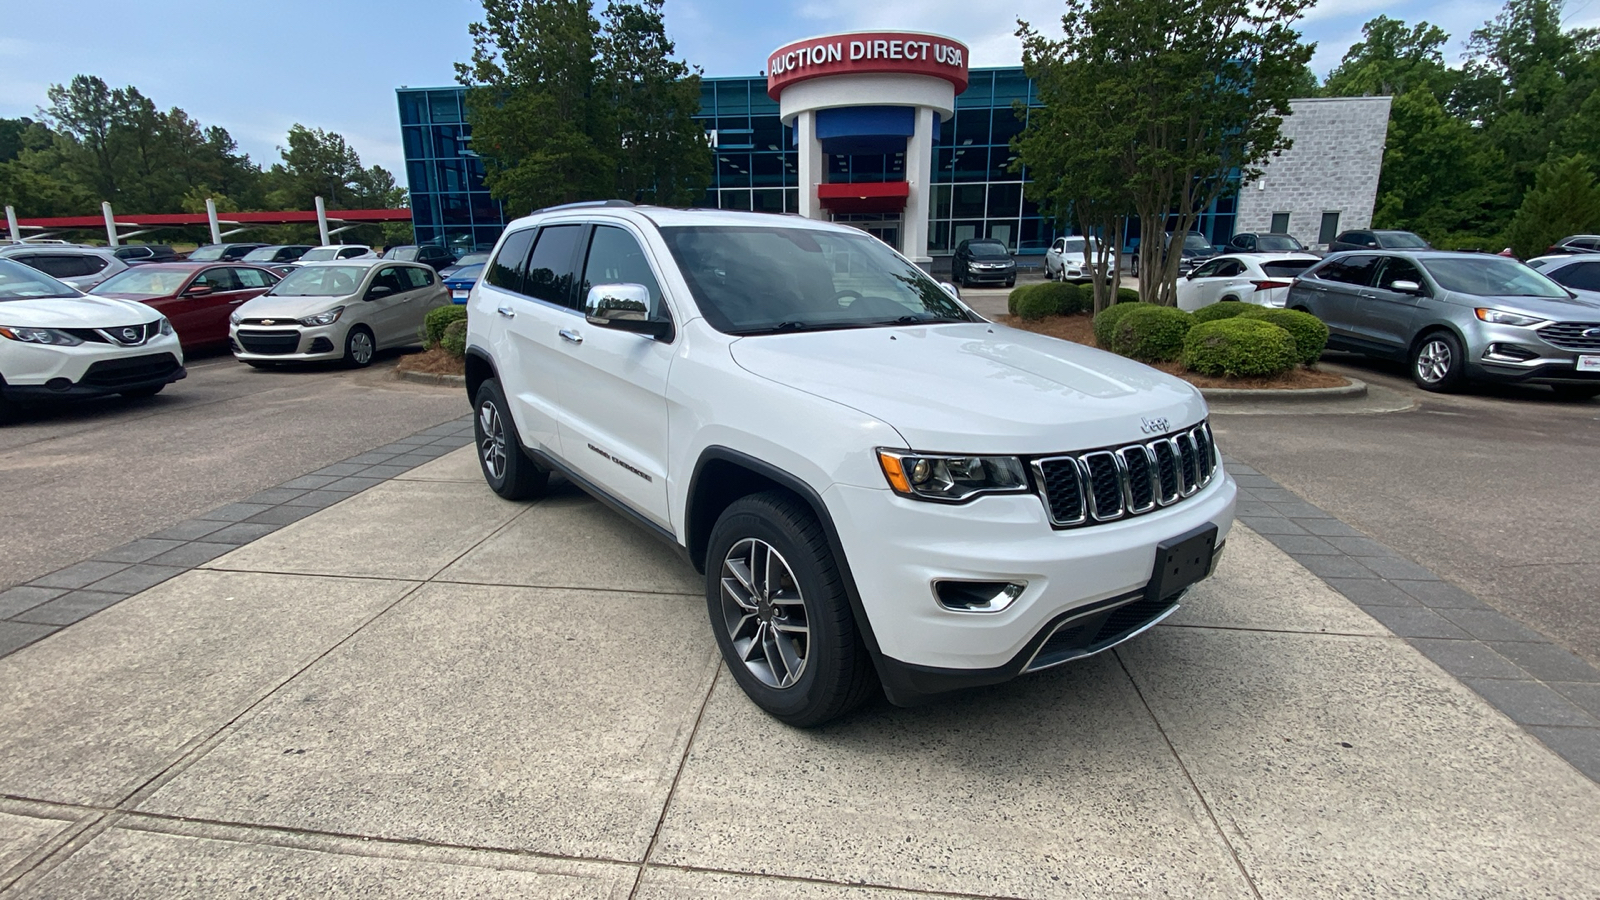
point(1589, 363)
point(1182, 561)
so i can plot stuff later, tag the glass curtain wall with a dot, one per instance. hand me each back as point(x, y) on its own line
point(449, 203)
point(756, 161)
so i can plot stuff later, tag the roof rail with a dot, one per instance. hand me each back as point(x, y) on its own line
point(581, 204)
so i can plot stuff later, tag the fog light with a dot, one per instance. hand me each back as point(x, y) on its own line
point(1509, 353)
point(978, 596)
point(58, 384)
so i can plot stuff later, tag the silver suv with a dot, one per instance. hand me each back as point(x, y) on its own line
point(1456, 317)
point(80, 267)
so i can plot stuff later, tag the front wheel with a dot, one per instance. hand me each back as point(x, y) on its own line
point(780, 613)
point(507, 469)
point(359, 347)
point(1438, 363)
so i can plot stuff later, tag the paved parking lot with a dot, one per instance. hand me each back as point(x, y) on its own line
point(425, 690)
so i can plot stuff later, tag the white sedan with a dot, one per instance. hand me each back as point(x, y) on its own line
point(1259, 278)
point(56, 343)
point(1064, 260)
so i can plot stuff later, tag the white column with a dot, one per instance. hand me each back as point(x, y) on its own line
point(919, 174)
point(322, 221)
point(11, 225)
point(211, 216)
point(111, 223)
point(811, 164)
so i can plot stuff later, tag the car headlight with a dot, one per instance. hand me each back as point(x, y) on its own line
point(323, 318)
point(166, 326)
point(951, 479)
point(1501, 317)
point(234, 318)
point(51, 336)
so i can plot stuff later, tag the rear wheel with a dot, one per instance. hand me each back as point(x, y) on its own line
point(359, 347)
point(1576, 391)
point(1438, 362)
point(508, 470)
point(780, 613)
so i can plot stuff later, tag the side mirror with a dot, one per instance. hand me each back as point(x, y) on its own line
point(951, 289)
point(625, 307)
point(1405, 287)
point(378, 290)
point(1190, 276)
point(198, 290)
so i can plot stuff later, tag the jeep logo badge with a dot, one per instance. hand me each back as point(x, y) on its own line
point(1154, 426)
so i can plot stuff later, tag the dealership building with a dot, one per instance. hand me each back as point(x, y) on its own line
point(895, 133)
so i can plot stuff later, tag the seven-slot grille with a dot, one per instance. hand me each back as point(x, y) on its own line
point(269, 342)
point(1106, 485)
point(1572, 335)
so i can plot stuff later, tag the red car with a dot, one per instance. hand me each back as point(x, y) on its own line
point(196, 297)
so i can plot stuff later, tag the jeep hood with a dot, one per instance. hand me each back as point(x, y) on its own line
point(977, 388)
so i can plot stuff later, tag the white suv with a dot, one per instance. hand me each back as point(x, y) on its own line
point(879, 484)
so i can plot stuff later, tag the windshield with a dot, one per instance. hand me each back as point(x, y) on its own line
point(320, 254)
point(467, 273)
point(1076, 245)
point(20, 282)
point(472, 259)
point(1401, 240)
point(1277, 242)
point(988, 250)
point(1193, 241)
point(262, 254)
point(320, 281)
point(409, 254)
point(214, 251)
point(143, 282)
point(1492, 276)
point(764, 280)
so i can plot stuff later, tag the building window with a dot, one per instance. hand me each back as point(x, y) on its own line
point(1330, 228)
point(1280, 223)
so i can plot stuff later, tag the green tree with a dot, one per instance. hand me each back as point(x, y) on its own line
point(1207, 84)
point(318, 163)
point(1564, 200)
point(1440, 176)
point(1393, 58)
point(662, 155)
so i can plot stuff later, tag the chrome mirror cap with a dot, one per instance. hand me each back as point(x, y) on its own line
point(608, 303)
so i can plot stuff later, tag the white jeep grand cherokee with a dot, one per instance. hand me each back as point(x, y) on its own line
point(880, 485)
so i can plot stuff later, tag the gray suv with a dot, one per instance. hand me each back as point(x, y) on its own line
point(1455, 317)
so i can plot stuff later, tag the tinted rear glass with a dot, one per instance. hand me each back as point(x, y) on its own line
point(506, 272)
point(19, 282)
point(1287, 268)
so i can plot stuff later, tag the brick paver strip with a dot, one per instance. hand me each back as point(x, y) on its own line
point(1551, 693)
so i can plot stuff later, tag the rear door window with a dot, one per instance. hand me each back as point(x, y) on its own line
point(419, 278)
point(1582, 276)
point(253, 278)
point(59, 266)
point(1353, 270)
point(510, 263)
point(221, 279)
point(550, 274)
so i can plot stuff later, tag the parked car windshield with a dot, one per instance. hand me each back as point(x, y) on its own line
point(988, 250)
point(20, 282)
point(472, 259)
point(320, 281)
point(408, 254)
point(467, 273)
point(262, 254)
point(1402, 240)
point(1195, 242)
point(319, 254)
point(1277, 242)
point(1491, 276)
point(143, 281)
point(212, 252)
point(1076, 245)
point(765, 280)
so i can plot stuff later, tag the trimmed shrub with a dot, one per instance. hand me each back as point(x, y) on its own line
point(437, 320)
point(1151, 333)
point(454, 339)
point(1036, 305)
point(1014, 299)
point(1127, 295)
point(1309, 334)
point(1068, 298)
point(1227, 309)
point(1238, 346)
point(1107, 320)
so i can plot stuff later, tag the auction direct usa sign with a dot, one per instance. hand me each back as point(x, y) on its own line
point(875, 52)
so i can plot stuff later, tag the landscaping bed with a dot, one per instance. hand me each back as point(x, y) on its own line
point(444, 333)
point(434, 361)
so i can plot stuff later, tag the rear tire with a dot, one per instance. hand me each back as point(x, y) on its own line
point(1438, 363)
point(506, 467)
point(780, 613)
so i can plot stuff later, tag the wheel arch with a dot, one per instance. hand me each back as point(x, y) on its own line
point(1433, 328)
point(480, 368)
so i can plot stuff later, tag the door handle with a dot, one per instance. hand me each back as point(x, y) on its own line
point(507, 311)
point(570, 336)
point(236, 302)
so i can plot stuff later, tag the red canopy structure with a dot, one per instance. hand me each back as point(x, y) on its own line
point(169, 220)
point(864, 197)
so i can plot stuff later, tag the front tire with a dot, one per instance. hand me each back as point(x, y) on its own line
point(359, 347)
point(780, 613)
point(507, 469)
point(1438, 363)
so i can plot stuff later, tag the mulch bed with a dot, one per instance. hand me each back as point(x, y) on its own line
point(432, 362)
point(1079, 329)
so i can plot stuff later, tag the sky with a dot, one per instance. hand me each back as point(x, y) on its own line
point(256, 68)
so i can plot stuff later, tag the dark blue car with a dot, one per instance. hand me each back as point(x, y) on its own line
point(461, 281)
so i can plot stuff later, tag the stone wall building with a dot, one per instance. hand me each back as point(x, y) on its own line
point(1328, 181)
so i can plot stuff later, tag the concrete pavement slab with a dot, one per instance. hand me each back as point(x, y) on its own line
point(457, 465)
point(677, 884)
point(125, 863)
point(1256, 586)
point(406, 530)
point(98, 709)
point(1346, 766)
point(21, 835)
point(571, 540)
point(551, 721)
point(1056, 785)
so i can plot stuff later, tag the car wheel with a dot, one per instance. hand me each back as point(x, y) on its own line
point(1576, 391)
point(1011, 282)
point(1230, 299)
point(780, 613)
point(1437, 362)
point(508, 470)
point(144, 391)
point(359, 347)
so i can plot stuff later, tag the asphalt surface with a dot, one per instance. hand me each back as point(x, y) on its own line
point(1493, 488)
point(78, 479)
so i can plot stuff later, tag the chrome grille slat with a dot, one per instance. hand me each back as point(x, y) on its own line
point(1106, 485)
point(1570, 335)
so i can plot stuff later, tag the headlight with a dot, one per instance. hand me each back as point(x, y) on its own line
point(166, 326)
point(1501, 317)
point(951, 479)
point(235, 318)
point(325, 318)
point(49, 336)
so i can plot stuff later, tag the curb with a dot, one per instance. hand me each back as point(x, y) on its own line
point(432, 378)
point(1356, 388)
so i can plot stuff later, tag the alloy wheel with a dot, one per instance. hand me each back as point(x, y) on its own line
point(492, 450)
point(361, 348)
point(764, 613)
point(1434, 361)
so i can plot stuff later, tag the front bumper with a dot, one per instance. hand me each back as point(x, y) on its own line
point(33, 373)
point(1508, 353)
point(292, 343)
point(898, 548)
point(994, 275)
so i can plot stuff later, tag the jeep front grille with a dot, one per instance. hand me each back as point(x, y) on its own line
point(1105, 485)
